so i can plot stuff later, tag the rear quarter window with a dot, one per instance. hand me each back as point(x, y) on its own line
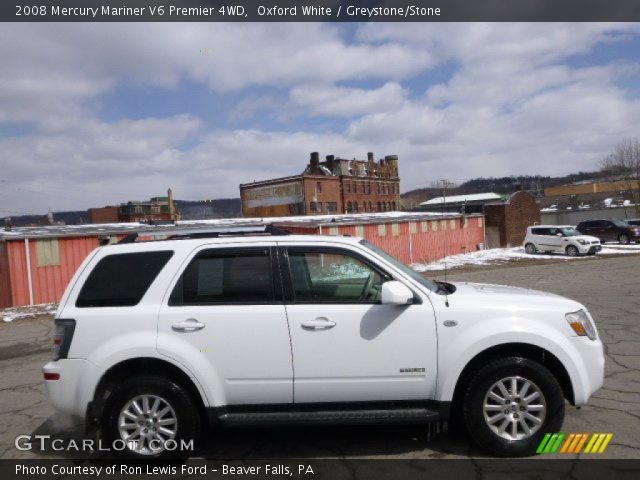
point(121, 280)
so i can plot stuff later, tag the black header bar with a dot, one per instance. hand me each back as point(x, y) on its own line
point(320, 11)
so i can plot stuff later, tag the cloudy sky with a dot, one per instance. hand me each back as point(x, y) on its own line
point(95, 114)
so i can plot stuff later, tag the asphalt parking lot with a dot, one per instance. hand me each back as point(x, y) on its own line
point(609, 287)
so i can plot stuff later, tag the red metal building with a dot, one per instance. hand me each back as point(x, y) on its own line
point(36, 263)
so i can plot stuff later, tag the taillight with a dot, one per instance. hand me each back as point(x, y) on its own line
point(62, 335)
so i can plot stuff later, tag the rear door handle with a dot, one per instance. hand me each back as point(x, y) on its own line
point(320, 323)
point(189, 325)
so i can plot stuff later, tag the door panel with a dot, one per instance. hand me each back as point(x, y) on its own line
point(367, 351)
point(225, 317)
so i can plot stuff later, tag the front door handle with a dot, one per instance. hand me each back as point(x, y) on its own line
point(189, 325)
point(320, 323)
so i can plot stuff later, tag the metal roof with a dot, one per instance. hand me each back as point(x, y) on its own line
point(473, 197)
point(310, 221)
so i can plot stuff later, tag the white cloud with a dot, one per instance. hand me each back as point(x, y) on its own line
point(348, 102)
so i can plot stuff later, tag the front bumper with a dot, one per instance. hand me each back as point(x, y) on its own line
point(73, 390)
point(590, 369)
point(584, 249)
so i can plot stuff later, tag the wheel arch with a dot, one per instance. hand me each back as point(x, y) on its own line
point(140, 366)
point(525, 350)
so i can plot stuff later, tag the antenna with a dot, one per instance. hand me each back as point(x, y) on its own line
point(444, 234)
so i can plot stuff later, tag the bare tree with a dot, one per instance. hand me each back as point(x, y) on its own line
point(624, 163)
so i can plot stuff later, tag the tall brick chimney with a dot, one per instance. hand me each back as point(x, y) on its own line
point(315, 160)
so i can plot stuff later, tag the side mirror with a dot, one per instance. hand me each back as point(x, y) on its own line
point(559, 234)
point(396, 293)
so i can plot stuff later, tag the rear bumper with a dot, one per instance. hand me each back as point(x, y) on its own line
point(73, 390)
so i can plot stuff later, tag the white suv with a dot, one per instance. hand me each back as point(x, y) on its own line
point(560, 239)
point(154, 337)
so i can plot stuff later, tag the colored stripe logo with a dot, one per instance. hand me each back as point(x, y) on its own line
point(574, 443)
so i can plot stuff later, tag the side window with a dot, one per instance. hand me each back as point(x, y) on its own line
point(539, 231)
point(121, 280)
point(225, 277)
point(333, 276)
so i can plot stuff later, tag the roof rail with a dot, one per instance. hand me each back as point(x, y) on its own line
point(183, 234)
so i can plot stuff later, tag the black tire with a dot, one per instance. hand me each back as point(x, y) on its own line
point(184, 407)
point(480, 385)
point(530, 248)
point(624, 239)
point(572, 251)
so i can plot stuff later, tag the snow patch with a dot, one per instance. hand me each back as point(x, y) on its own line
point(30, 311)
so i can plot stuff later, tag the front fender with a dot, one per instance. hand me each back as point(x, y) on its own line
point(456, 350)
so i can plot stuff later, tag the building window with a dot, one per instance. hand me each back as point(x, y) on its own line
point(465, 223)
point(319, 207)
point(379, 206)
point(378, 189)
point(393, 206)
point(348, 187)
point(359, 230)
point(382, 230)
point(424, 226)
point(413, 227)
point(332, 207)
point(47, 252)
point(313, 208)
point(368, 188)
point(370, 207)
point(349, 207)
point(334, 231)
point(444, 225)
point(480, 221)
point(318, 187)
point(395, 229)
point(364, 206)
point(452, 223)
point(364, 188)
point(434, 226)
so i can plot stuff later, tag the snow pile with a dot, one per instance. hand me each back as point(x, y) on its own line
point(497, 256)
point(30, 311)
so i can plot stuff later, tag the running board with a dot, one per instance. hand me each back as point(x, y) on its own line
point(328, 417)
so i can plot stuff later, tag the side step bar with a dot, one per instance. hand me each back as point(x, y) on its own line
point(329, 417)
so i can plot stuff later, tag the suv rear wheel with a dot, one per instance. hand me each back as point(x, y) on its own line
point(510, 404)
point(624, 239)
point(151, 416)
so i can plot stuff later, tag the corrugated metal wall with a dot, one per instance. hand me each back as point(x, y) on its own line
point(5, 279)
point(50, 281)
point(411, 242)
point(414, 242)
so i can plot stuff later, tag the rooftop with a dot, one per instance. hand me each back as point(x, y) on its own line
point(472, 197)
point(310, 221)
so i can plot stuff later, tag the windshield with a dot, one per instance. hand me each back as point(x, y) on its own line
point(570, 232)
point(401, 266)
point(620, 223)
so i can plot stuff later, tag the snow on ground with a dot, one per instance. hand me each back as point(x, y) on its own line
point(29, 311)
point(497, 256)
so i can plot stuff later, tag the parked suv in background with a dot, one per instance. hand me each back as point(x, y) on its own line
point(559, 239)
point(153, 337)
point(610, 230)
point(634, 222)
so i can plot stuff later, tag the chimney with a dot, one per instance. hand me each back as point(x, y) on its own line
point(315, 160)
point(330, 159)
point(370, 157)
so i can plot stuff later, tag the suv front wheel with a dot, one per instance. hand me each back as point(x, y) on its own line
point(510, 404)
point(150, 417)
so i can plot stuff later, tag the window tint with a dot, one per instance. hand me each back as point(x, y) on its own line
point(219, 277)
point(333, 276)
point(540, 231)
point(122, 280)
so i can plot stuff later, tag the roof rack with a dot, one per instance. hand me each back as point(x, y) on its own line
point(184, 234)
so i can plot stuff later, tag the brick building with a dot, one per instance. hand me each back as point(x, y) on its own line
point(506, 222)
point(335, 185)
point(157, 209)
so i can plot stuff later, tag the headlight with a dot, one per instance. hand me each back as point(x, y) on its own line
point(581, 324)
point(582, 242)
